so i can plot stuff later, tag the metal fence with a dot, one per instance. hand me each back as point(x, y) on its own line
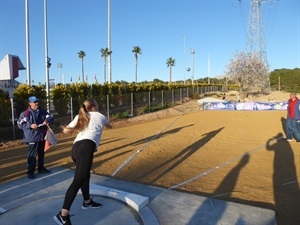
point(125, 105)
point(133, 104)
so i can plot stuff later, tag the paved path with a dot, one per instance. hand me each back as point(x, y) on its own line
point(34, 202)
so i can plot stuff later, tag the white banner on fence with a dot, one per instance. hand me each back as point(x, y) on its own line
point(245, 106)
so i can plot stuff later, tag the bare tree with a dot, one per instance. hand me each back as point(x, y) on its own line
point(249, 71)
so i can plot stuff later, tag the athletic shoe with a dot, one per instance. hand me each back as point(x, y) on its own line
point(91, 205)
point(62, 220)
point(31, 176)
point(289, 139)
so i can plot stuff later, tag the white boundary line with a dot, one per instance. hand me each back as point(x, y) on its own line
point(220, 166)
point(141, 149)
point(20, 185)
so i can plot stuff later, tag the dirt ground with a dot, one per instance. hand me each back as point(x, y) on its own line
point(237, 156)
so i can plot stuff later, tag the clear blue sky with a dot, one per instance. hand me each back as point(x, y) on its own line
point(216, 29)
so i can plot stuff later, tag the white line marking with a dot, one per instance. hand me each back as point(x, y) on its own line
point(141, 149)
point(220, 166)
point(17, 186)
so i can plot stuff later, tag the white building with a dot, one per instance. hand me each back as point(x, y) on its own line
point(9, 71)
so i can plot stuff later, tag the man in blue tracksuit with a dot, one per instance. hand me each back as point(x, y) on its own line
point(33, 121)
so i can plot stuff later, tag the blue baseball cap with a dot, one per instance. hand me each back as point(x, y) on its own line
point(33, 99)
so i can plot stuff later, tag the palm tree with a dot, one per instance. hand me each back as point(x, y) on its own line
point(136, 50)
point(170, 63)
point(105, 53)
point(81, 55)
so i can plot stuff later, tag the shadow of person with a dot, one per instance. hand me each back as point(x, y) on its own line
point(180, 157)
point(285, 182)
point(228, 183)
point(283, 124)
point(224, 189)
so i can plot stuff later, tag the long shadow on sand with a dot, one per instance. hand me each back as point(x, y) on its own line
point(285, 182)
point(225, 188)
point(181, 156)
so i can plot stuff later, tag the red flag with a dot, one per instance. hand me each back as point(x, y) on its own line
point(50, 139)
point(47, 146)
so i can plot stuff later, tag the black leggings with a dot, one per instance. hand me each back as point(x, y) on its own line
point(82, 155)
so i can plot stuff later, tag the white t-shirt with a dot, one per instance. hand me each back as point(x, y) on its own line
point(94, 129)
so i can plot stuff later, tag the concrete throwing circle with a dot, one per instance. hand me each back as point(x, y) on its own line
point(41, 212)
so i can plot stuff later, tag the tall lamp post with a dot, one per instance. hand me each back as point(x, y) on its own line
point(59, 66)
point(208, 70)
point(27, 43)
point(184, 57)
point(48, 60)
point(108, 43)
point(193, 52)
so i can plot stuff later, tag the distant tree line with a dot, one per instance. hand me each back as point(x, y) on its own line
point(280, 79)
point(285, 80)
point(246, 70)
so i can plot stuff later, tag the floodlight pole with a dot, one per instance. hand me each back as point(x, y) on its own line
point(193, 53)
point(47, 59)
point(27, 43)
point(59, 66)
point(208, 69)
point(184, 59)
point(108, 43)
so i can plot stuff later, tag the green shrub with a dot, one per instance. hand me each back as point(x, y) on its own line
point(5, 109)
point(149, 109)
point(122, 115)
point(61, 99)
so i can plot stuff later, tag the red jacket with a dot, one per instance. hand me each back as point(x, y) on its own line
point(291, 108)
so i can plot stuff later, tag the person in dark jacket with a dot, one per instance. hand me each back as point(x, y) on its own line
point(293, 118)
point(297, 121)
point(34, 121)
